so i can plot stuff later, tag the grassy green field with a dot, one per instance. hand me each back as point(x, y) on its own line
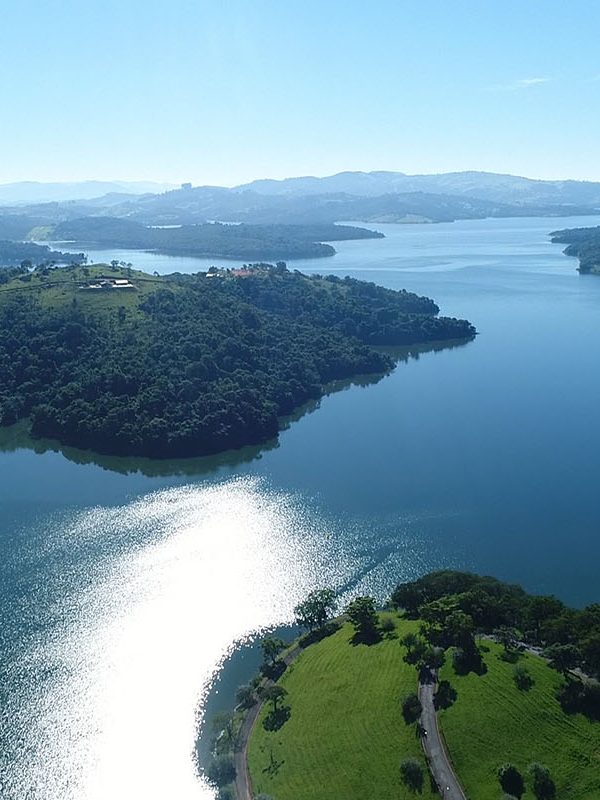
point(346, 736)
point(59, 287)
point(492, 722)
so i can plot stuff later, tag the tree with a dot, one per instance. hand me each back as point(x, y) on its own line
point(411, 772)
point(274, 694)
point(544, 787)
point(590, 648)
point(508, 637)
point(563, 657)
point(522, 677)
point(407, 596)
point(318, 607)
point(221, 770)
point(411, 708)
point(363, 616)
point(416, 648)
point(511, 780)
point(245, 696)
point(271, 647)
point(459, 629)
point(543, 608)
point(433, 657)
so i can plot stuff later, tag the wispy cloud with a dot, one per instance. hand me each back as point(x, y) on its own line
point(518, 85)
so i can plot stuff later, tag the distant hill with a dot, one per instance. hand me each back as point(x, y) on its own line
point(208, 203)
point(27, 192)
point(488, 186)
point(373, 197)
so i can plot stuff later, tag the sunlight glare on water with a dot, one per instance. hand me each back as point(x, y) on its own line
point(116, 716)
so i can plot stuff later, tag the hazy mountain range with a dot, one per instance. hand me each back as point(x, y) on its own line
point(362, 196)
point(489, 186)
point(28, 192)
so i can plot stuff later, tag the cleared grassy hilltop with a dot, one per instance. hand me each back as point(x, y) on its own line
point(346, 736)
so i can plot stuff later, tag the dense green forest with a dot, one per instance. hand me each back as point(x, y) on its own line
point(584, 244)
point(210, 240)
point(14, 253)
point(451, 600)
point(190, 365)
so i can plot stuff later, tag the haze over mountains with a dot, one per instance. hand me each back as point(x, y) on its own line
point(482, 185)
point(374, 197)
point(28, 192)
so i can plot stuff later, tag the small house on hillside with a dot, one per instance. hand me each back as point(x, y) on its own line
point(107, 283)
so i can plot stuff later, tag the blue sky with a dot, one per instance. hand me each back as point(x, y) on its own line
point(222, 92)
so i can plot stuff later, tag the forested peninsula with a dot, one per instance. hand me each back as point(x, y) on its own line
point(117, 361)
point(584, 244)
point(13, 254)
point(209, 240)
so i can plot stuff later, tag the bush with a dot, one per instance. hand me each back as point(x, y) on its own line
point(412, 774)
point(522, 677)
point(388, 627)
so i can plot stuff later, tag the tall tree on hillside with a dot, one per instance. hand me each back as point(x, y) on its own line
point(363, 616)
point(319, 606)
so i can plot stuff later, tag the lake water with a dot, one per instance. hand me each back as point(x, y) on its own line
point(124, 583)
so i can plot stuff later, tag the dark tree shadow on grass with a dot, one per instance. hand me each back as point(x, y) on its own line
point(368, 637)
point(466, 661)
point(445, 696)
point(320, 633)
point(276, 718)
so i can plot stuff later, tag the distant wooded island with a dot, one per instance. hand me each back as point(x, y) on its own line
point(124, 363)
point(584, 244)
point(209, 240)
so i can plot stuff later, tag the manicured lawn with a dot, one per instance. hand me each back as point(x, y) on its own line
point(492, 722)
point(346, 736)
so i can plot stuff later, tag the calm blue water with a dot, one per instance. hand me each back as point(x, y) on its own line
point(124, 584)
